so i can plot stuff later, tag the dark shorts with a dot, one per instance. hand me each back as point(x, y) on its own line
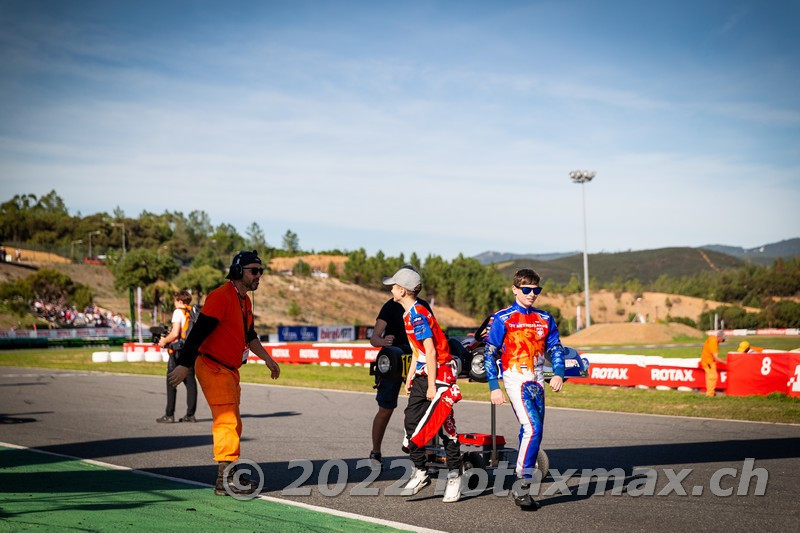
point(387, 393)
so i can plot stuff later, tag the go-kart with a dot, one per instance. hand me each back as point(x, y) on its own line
point(480, 450)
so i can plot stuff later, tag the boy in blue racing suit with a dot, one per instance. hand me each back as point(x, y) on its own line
point(520, 335)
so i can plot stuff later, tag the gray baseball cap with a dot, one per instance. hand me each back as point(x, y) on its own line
point(405, 277)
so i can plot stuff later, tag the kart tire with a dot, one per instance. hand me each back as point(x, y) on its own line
point(479, 373)
point(543, 463)
point(470, 461)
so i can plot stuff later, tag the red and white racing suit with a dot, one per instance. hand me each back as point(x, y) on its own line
point(425, 418)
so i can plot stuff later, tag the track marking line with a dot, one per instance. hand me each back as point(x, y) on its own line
point(316, 508)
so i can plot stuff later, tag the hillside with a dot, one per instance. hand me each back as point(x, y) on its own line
point(320, 301)
point(608, 307)
point(490, 258)
point(606, 334)
point(762, 255)
point(645, 265)
point(331, 301)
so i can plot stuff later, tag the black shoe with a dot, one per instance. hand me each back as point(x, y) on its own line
point(188, 418)
point(377, 460)
point(166, 419)
point(523, 499)
point(242, 487)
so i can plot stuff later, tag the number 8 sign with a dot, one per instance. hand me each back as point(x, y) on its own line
point(758, 373)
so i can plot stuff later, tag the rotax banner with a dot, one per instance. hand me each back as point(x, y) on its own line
point(338, 353)
point(648, 375)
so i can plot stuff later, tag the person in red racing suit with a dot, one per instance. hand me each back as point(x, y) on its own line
point(430, 385)
point(521, 335)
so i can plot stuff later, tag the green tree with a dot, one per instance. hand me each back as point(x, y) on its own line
point(355, 267)
point(200, 280)
point(291, 243)
point(228, 241)
point(301, 268)
point(142, 267)
point(256, 239)
point(332, 271)
point(199, 227)
point(208, 256)
point(46, 285)
point(574, 286)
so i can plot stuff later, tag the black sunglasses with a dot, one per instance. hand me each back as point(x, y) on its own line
point(527, 290)
point(255, 270)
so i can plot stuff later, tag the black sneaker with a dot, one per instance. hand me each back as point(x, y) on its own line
point(188, 418)
point(523, 499)
point(165, 419)
point(377, 460)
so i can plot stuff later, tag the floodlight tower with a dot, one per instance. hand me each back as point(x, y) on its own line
point(582, 177)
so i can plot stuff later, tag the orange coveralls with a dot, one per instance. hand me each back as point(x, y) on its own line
point(217, 368)
point(710, 349)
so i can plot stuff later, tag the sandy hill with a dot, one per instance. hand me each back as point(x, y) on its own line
point(611, 307)
point(631, 333)
point(318, 301)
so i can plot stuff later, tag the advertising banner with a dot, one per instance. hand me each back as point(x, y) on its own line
point(648, 371)
point(337, 333)
point(65, 333)
point(764, 373)
point(298, 333)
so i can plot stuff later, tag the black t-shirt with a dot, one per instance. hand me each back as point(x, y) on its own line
point(392, 313)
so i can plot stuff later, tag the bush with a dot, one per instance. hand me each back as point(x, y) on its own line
point(682, 320)
point(294, 309)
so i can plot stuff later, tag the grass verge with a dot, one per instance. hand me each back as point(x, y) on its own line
point(772, 408)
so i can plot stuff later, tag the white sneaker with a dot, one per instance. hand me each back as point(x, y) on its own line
point(418, 481)
point(452, 492)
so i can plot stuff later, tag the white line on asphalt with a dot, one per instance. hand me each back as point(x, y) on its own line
point(316, 508)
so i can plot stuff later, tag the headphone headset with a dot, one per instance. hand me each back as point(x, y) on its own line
point(237, 271)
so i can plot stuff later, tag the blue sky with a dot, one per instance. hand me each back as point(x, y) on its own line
point(428, 127)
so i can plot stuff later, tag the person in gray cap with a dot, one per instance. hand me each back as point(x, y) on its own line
point(223, 337)
point(389, 334)
point(430, 386)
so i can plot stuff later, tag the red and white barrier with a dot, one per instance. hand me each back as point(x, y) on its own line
point(743, 375)
point(334, 354)
point(647, 371)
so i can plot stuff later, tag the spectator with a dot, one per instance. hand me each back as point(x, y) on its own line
point(745, 347)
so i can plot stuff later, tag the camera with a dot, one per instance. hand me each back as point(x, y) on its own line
point(159, 332)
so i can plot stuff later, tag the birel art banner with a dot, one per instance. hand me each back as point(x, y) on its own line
point(337, 333)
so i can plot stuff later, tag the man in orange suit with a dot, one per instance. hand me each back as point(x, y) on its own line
point(217, 346)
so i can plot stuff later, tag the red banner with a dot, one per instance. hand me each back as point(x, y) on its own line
point(332, 354)
point(631, 375)
point(764, 373)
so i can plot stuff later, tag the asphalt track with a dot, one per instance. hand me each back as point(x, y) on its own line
point(111, 418)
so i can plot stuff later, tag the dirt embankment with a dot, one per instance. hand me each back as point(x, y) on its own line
point(610, 307)
point(316, 301)
point(631, 333)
